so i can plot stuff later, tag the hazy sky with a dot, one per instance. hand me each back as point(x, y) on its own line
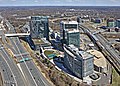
point(60, 2)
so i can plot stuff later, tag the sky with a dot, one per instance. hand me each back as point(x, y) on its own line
point(59, 2)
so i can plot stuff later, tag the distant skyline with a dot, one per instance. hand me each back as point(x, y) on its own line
point(59, 2)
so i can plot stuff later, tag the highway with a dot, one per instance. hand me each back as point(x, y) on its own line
point(11, 73)
point(32, 75)
point(6, 72)
point(111, 55)
point(26, 73)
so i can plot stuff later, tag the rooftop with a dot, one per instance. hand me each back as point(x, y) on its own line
point(85, 55)
point(69, 22)
point(41, 41)
point(73, 47)
point(118, 19)
point(74, 51)
point(39, 17)
point(72, 31)
point(38, 41)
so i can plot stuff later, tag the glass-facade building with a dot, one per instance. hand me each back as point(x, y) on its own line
point(68, 34)
point(118, 23)
point(73, 37)
point(78, 62)
point(39, 27)
point(110, 23)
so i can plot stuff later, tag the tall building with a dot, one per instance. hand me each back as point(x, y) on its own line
point(73, 37)
point(118, 23)
point(110, 23)
point(68, 32)
point(79, 19)
point(69, 24)
point(78, 62)
point(39, 27)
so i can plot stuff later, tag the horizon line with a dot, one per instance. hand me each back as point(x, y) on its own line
point(60, 5)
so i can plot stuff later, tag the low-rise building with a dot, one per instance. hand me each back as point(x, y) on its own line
point(42, 43)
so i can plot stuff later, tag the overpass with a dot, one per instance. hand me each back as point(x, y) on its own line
point(17, 34)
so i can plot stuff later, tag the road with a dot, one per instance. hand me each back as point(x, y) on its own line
point(56, 19)
point(27, 73)
point(11, 73)
point(112, 56)
point(31, 73)
point(6, 72)
point(33, 76)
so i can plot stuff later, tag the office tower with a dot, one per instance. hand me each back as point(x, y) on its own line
point(73, 37)
point(110, 23)
point(118, 23)
point(78, 62)
point(39, 27)
point(79, 19)
point(68, 29)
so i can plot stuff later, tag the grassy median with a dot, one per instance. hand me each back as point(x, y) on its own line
point(115, 78)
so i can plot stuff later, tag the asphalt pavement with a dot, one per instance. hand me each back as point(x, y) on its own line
point(11, 73)
point(28, 74)
point(31, 72)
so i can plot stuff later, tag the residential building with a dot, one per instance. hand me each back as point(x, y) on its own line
point(78, 62)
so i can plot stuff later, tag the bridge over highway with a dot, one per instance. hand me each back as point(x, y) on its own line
point(17, 34)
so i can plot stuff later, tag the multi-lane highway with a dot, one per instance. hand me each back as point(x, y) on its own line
point(10, 71)
point(111, 55)
point(32, 75)
point(7, 74)
point(26, 73)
